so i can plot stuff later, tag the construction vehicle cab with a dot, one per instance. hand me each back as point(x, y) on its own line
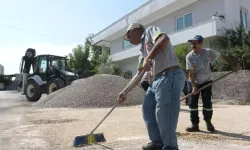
point(50, 73)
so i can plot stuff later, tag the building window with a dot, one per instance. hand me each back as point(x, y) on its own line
point(126, 44)
point(42, 64)
point(184, 21)
point(243, 17)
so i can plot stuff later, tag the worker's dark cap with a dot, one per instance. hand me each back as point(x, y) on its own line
point(196, 38)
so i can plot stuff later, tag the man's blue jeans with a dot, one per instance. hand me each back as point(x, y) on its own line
point(161, 108)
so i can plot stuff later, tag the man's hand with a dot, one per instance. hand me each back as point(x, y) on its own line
point(236, 67)
point(139, 69)
point(146, 65)
point(191, 74)
point(194, 91)
point(121, 98)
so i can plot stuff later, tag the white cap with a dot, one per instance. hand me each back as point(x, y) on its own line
point(131, 27)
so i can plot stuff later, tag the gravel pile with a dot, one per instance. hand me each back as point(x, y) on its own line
point(99, 91)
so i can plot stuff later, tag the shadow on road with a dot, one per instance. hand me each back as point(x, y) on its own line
point(234, 135)
point(106, 147)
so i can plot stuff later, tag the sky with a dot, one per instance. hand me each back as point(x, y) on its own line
point(53, 26)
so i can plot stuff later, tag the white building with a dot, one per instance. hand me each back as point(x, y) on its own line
point(1, 73)
point(1, 70)
point(180, 19)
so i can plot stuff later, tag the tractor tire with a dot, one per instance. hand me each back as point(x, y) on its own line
point(54, 84)
point(32, 91)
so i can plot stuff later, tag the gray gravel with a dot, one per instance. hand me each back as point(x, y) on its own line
point(97, 91)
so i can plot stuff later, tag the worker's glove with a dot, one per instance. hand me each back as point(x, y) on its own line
point(121, 97)
point(194, 91)
point(139, 67)
point(146, 65)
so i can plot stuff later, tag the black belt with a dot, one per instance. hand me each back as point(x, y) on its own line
point(167, 69)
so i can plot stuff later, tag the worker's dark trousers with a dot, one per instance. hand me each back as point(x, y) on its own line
point(207, 104)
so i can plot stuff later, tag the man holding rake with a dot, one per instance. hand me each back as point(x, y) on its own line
point(198, 65)
point(162, 100)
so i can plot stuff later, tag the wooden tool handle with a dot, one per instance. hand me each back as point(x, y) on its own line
point(207, 85)
point(138, 78)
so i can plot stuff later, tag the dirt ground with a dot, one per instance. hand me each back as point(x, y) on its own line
point(25, 127)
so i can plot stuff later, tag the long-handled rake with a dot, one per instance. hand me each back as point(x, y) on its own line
point(99, 137)
point(207, 85)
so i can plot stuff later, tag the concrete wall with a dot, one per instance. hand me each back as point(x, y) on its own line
point(234, 87)
point(202, 11)
point(232, 11)
point(129, 64)
point(116, 46)
point(147, 13)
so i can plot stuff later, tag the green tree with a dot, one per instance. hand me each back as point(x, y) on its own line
point(241, 54)
point(117, 70)
point(89, 60)
point(95, 53)
point(101, 61)
point(81, 64)
point(239, 36)
point(106, 65)
point(235, 43)
point(181, 52)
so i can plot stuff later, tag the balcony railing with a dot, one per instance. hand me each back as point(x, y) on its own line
point(208, 28)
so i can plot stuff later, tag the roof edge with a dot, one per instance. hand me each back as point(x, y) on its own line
point(150, 1)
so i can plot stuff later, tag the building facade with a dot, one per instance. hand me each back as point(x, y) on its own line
point(1, 70)
point(180, 19)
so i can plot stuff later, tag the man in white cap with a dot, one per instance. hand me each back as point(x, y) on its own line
point(162, 100)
